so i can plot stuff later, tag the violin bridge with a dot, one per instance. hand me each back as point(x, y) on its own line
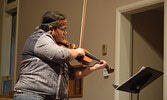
point(73, 46)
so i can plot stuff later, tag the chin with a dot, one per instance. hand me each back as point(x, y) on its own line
point(62, 39)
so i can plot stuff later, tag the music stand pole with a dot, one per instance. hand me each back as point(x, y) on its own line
point(138, 96)
point(138, 91)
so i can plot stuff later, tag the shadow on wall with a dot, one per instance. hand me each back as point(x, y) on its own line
point(152, 29)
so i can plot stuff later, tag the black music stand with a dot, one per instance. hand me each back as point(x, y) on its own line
point(140, 80)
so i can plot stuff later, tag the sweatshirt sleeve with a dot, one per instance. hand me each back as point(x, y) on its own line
point(46, 48)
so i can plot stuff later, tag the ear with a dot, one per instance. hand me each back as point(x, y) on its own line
point(51, 28)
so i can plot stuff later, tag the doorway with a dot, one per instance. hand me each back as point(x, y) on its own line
point(147, 48)
point(139, 42)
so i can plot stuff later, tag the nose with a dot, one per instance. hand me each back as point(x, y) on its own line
point(65, 32)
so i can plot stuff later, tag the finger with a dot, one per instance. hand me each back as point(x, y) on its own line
point(102, 62)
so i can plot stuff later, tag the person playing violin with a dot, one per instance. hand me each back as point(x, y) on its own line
point(45, 69)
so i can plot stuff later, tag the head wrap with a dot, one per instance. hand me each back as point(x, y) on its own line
point(55, 24)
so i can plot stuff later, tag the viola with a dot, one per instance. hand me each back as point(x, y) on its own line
point(87, 59)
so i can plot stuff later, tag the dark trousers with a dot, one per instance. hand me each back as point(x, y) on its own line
point(23, 97)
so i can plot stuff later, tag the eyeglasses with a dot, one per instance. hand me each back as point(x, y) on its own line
point(63, 29)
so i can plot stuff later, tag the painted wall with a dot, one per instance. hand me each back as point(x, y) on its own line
point(99, 30)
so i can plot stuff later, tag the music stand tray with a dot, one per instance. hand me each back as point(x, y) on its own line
point(140, 80)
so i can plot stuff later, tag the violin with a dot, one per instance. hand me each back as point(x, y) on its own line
point(87, 59)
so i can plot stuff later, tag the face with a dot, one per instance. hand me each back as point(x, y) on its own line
point(59, 33)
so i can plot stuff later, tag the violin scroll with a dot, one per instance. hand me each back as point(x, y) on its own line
point(109, 69)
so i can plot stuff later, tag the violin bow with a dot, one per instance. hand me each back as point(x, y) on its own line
point(81, 38)
point(83, 23)
point(82, 33)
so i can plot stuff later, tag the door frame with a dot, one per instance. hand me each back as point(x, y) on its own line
point(123, 44)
